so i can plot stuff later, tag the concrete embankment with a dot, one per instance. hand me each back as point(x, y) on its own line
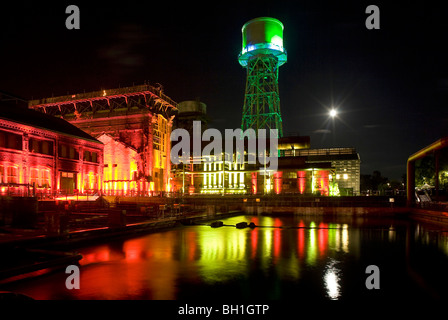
point(439, 217)
point(329, 211)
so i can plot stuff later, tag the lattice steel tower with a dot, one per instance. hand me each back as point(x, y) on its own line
point(262, 54)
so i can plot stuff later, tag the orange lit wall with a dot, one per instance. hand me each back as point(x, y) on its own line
point(120, 168)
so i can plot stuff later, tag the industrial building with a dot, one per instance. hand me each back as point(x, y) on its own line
point(134, 123)
point(45, 156)
point(300, 170)
point(345, 164)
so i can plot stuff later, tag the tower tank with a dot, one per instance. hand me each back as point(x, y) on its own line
point(262, 36)
point(192, 107)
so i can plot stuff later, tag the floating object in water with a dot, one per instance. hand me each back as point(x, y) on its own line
point(252, 225)
point(241, 225)
point(216, 224)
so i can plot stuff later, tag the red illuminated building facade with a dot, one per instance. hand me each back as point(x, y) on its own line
point(134, 123)
point(44, 155)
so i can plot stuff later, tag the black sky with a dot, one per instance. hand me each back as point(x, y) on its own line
point(389, 85)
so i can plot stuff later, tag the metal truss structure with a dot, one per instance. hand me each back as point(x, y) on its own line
point(127, 100)
point(262, 101)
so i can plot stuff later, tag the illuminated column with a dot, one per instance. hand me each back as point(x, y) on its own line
point(235, 180)
point(301, 181)
point(324, 182)
point(25, 177)
point(278, 182)
point(254, 182)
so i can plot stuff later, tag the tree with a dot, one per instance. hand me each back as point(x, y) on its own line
point(425, 171)
point(334, 189)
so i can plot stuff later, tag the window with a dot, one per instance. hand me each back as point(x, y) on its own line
point(41, 146)
point(292, 175)
point(69, 152)
point(12, 175)
point(63, 151)
point(47, 147)
point(46, 178)
point(87, 156)
point(10, 140)
point(67, 174)
point(34, 177)
point(72, 153)
point(2, 173)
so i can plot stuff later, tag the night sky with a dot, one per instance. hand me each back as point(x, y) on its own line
point(390, 86)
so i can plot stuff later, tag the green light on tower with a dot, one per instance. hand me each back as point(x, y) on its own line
point(262, 54)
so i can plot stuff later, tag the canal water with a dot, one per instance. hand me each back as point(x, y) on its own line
point(284, 258)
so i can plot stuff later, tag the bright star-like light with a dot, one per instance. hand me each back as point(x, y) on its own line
point(333, 113)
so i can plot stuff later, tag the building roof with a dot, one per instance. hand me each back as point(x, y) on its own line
point(333, 157)
point(37, 119)
point(331, 154)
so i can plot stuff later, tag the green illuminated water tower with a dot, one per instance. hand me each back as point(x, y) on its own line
point(262, 55)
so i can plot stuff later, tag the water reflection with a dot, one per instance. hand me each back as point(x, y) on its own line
point(331, 280)
point(275, 260)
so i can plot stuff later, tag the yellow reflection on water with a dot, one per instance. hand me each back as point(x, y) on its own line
point(345, 238)
point(312, 247)
point(222, 253)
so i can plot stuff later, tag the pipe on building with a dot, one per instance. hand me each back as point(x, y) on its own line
point(410, 180)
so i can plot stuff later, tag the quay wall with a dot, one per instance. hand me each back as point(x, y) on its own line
point(328, 211)
point(426, 215)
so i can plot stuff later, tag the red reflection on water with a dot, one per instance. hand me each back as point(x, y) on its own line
point(101, 253)
point(133, 251)
point(323, 238)
point(301, 239)
point(254, 237)
point(254, 242)
point(277, 237)
point(192, 245)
